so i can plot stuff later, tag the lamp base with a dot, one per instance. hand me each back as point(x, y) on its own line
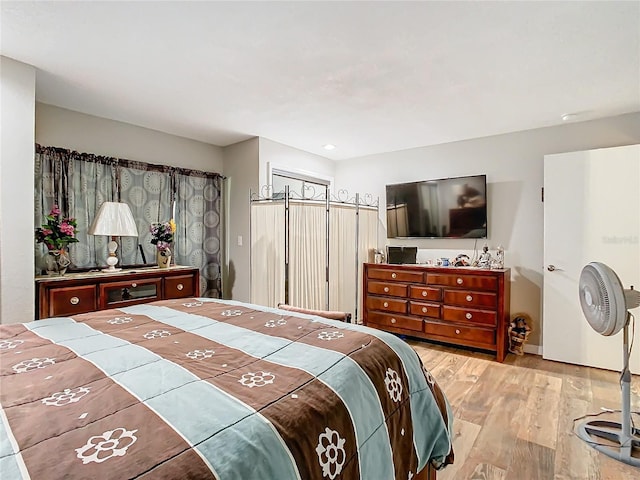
point(111, 269)
point(112, 260)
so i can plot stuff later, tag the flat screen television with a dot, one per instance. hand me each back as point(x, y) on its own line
point(444, 208)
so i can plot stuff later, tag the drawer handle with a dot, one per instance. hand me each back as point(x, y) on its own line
point(386, 289)
point(134, 285)
point(385, 304)
point(393, 275)
point(469, 316)
point(424, 309)
point(457, 332)
point(180, 286)
point(393, 320)
point(469, 298)
point(459, 281)
point(424, 293)
point(74, 300)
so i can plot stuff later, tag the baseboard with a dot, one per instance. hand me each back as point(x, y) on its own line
point(534, 349)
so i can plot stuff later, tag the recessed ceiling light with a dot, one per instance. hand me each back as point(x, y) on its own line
point(568, 117)
point(329, 146)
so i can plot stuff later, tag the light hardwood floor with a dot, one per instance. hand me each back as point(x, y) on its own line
point(513, 421)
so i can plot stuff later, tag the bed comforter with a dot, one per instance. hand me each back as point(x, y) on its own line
point(197, 388)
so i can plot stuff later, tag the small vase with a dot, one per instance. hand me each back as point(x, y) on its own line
point(163, 258)
point(56, 262)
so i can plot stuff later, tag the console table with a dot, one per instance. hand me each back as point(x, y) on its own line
point(77, 293)
point(456, 305)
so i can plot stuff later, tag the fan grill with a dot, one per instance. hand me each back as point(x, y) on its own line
point(602, 299)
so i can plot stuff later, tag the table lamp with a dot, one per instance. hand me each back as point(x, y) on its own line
point(115, 220)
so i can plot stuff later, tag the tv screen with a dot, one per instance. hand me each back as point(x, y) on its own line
point(444, 208)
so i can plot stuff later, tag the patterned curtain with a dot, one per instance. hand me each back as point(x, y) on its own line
point(147, 191)
point(80, 182)
point(198, 235)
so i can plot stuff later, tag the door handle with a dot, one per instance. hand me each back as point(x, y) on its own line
point(553, 268)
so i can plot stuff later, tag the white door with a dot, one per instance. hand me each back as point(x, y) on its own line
point(591, 213)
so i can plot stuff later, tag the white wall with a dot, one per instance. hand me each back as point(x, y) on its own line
point(241, 169)
point(513, 164)
point(289, 158)
point(17, 105)
point(59, 127)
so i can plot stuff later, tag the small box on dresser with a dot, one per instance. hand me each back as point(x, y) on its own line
point(455, 305)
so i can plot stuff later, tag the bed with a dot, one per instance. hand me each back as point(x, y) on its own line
point(200, 388)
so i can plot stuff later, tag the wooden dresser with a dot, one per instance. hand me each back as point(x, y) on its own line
point(77, 293)
point(461, 306)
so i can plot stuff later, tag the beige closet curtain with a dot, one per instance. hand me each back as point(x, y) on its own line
point(367, 240)
point(267, 253)
point(342, 258)
point(307, 255)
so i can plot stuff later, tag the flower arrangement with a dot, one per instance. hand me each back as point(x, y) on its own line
point(58, 232)
point(162, 234)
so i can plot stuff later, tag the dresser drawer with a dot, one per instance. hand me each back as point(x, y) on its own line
point(393, 289)
point(65, 301)
point(471, 298)
point(179, 286)
point(398, 321)
point(425, 293)
point(477, 282)
point(468, 315)
point(387, 304)
point(470, 334)
point(431, 310)
point(396, 275)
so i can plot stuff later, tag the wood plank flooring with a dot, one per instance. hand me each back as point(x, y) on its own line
point(514, 421)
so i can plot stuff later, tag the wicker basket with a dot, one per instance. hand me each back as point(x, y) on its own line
point(518, 338)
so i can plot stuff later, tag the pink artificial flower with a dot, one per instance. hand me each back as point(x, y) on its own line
point(55, 210)
point(67, 229)
point(46, 231)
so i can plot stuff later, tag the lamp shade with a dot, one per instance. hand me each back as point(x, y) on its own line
point(114, 219)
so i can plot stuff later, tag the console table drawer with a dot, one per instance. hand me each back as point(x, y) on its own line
point(477, 282)
point(117, 294)
point(65, 301)
point(425, 293)
point(476, 335)
point(456, 314)
point(393, 289)
point(465, 297)
point(387, 304)
point(179, 287)
point(398, 321)
point(396, 275)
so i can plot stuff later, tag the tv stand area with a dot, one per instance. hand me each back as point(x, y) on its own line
point(455, 305)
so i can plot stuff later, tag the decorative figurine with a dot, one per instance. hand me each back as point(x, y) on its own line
point(484, 261)
point(499, 260)
point(519, 332)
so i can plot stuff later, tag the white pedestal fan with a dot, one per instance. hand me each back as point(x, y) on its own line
point(606, 304)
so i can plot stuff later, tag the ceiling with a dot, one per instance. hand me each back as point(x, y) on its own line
point(369, 77)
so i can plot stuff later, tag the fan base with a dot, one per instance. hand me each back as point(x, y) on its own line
point(609, 438)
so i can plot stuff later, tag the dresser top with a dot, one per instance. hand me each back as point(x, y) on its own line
point(99, 274)
point(438, 269)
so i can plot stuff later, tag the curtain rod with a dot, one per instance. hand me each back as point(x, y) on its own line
point(91, 157)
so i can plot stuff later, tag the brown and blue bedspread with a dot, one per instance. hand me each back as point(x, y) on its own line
point(201, 388)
